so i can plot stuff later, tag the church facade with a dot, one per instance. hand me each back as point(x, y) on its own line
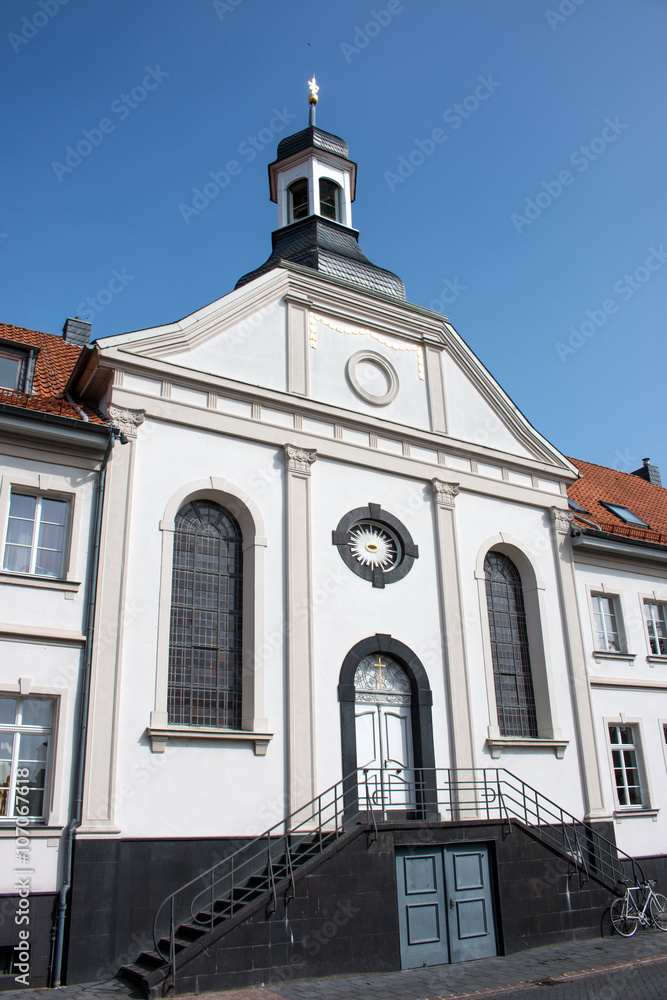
point(335, 556)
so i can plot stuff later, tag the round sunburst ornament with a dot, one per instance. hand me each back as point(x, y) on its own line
point(375, 545)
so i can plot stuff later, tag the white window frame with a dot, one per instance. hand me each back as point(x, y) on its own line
point(619, 612)
point(56, 794)
point(652, 601)
point(51, 487)
point(14, 780)
point(662, 726)
point(645, 809)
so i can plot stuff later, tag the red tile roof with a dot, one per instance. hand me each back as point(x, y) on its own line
point(644, 499)
point(54, 365)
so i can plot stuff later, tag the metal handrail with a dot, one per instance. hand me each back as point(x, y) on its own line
point(482, 793)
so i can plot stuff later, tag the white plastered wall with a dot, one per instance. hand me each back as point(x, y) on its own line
point(192, 789)
point(252, 351)
point(631, 689)
point(480, 520)
point(348, 609)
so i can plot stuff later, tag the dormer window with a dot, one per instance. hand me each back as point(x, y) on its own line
point(330, 199)
point(16, 366)
point(297, 194)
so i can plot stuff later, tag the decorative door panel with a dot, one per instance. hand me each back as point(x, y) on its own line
point(421, 907)
point(471, 926)
point(445, 905)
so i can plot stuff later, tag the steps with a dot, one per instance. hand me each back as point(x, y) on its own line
point(153, 968)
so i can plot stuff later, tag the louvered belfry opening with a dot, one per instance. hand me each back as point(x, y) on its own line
point(515, 698)
point(205, 641)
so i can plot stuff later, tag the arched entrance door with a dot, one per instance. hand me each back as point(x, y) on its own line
point(383, 728)
point(387, 720)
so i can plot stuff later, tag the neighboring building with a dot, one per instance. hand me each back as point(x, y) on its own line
point(337, 578)
point(620, 560)
point(52, 454)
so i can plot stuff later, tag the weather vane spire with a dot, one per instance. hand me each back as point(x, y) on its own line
point(312, 99)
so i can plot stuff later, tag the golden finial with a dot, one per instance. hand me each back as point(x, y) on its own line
point(313, 91)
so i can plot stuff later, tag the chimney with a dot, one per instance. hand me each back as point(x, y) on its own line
point(651, 473)
point(76, 331)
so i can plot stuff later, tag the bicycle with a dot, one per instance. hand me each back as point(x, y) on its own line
point(626, 914)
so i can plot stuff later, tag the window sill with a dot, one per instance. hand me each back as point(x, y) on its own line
point(608, 654)
point(36, 829)
point(32, 580)
point(656, 658)
point(497, 744)
point(635, 813)
point(159, 735)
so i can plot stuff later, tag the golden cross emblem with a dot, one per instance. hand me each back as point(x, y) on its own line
point(380, 664)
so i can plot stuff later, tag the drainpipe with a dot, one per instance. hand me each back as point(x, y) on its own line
point(79, 756)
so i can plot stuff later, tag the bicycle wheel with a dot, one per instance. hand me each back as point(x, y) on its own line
point(659, 911)
point(623, 919)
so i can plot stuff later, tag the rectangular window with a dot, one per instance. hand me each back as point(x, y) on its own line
point(36, 535)
point(607, 634)
point(25, 735)
point(656, 625)
point(12, 365)
point(624, 752)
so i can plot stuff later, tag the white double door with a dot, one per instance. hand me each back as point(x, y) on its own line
point(385, 752)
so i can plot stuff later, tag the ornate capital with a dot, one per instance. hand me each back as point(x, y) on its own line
point(299, 460)
point(445, 494)
point(126, 420)
point(561, 519)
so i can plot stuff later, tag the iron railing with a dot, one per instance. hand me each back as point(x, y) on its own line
point(268, 864)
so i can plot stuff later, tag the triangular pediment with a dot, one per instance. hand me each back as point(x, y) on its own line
point(245, 337)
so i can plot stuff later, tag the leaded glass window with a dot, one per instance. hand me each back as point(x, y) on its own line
point(515, 698)
point(205, 643)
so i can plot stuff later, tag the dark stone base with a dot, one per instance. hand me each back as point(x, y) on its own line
point(344, 916)
point(41, 915)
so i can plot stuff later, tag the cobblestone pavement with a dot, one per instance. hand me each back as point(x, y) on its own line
point(602, 969)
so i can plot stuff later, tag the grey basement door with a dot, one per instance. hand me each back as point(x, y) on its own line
point(445, 906)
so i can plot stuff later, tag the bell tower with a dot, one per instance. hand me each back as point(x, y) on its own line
point(313, 182)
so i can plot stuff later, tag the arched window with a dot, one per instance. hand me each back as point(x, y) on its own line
point(297, 194)
point(205, 640)
point(515, 698)
point(329, 199)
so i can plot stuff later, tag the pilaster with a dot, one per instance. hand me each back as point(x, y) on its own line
point(299, 628)
point(451, 613)
point(98, 801)
point(561, 522)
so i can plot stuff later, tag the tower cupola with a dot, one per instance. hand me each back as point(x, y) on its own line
point(313, 175)
point(313, 182)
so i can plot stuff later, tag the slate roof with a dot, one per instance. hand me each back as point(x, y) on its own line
point(330, 248)
point(644, 499)
point(53, 367)
point(312, 136)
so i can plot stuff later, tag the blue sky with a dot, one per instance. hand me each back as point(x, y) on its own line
point(536, 219)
